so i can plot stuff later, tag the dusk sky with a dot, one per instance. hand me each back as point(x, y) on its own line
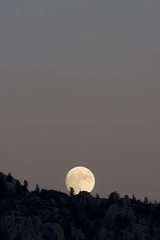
point(80, 86)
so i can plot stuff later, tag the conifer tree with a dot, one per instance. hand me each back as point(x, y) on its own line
point(145, 200)
point(71, 192)
point(9, 177)
point(25, 185)
point(97, 196)
point(37, 189)
point(18, 188)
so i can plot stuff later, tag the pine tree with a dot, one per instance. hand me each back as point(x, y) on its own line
point(97, 196)
point(133, 197)
point(25, 185)
point(145, 200)
point(155, 201)
point(18, 188)
point(9, 178)
point(133, 200)
point(71, 192)
point(37, 189)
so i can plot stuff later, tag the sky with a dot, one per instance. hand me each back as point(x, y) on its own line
point(80, 86)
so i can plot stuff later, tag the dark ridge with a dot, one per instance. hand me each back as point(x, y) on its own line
point(53, 215)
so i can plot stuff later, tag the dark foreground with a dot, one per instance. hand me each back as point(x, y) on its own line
point(53, 215)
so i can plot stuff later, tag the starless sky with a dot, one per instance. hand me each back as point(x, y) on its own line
point(80, 86)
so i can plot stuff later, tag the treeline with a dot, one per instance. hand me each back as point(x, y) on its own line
point(53, 215)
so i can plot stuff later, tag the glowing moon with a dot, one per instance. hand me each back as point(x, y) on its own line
point(80, 179)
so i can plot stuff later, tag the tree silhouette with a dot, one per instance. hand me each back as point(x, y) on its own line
point(74, 217)
point(25, 186)
point(133, 198)
point(37, 189)
point(19, 189)
point(9, 177)
point(145, 200)
point(97, 196)
point(71, 192)
point(114, 196)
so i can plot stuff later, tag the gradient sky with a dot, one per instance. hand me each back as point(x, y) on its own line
point(80, 86)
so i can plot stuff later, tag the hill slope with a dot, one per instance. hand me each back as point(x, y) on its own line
point(53, 215)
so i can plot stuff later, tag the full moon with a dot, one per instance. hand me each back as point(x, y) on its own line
point(80, 179)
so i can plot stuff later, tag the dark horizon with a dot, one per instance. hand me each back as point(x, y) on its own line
point(48, 214)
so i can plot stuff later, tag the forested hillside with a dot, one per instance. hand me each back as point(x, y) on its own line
point(53, 215)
